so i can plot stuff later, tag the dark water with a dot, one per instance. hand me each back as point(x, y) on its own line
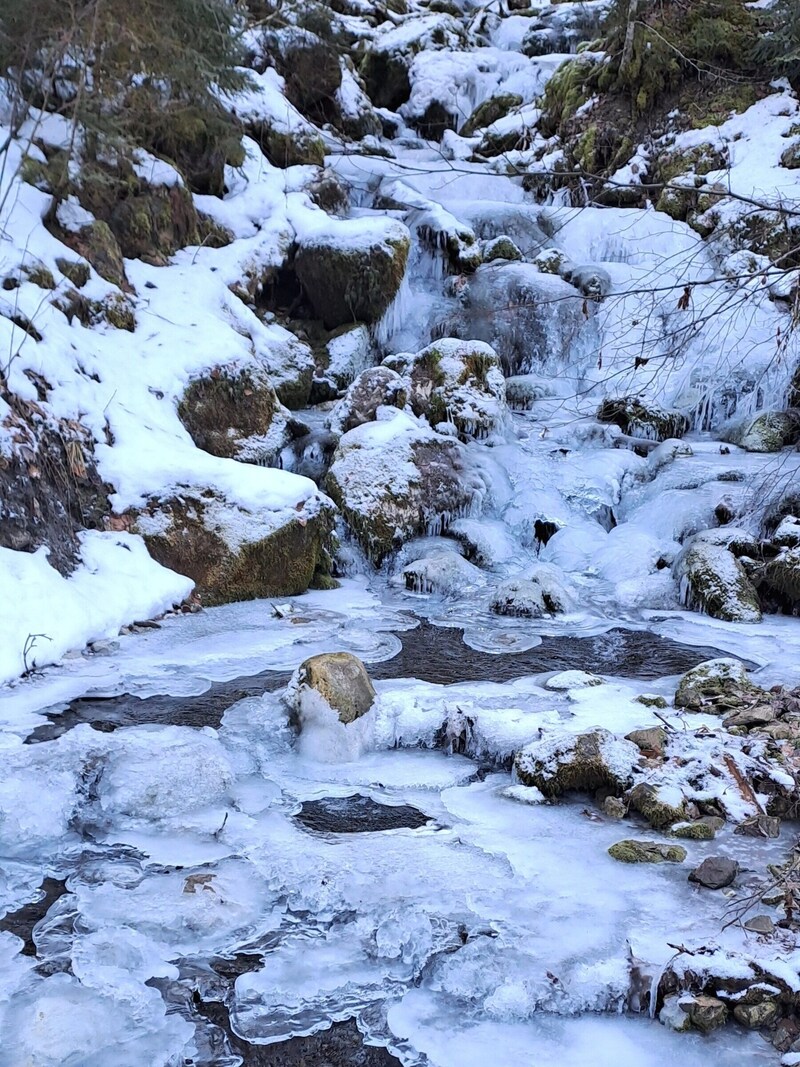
point(430, 653)
point(22, 922)
point(357, 815)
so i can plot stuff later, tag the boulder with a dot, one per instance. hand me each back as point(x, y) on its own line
point(780, 580)
point(501, 247)
point(660, 805)
point(759, 826)
point(757, 1016)
point(496, 107)
point(638, 419)
point(443, 572)
point(633, 851)
point(769, 431)
point(545, 592)
point(373, 388)
point(235, 553)
point(701, 830)
point(717, 686)
point(352, 269)
point(566, 680)
point(760, 924)
point(341, 679)
point(388, 58)
point(713, 580)
point(455, 381)
point(577, 763)
point(235, 413)
point(395, 479)
point(715, 872)
point(99, 247)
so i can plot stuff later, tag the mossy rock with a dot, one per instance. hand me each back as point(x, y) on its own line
point(790, 157)
point(74, 271)
point(717, 686)
point(118, 312)
point(577, 763)
point(694, 831)
point(713, 580)
point(41, 276)
point(435, 121)
point(312, 72)
point(769, 431)
point(496, 107)
point(638, 419)
point(97, 245)
point(501, 247)
point(212, 234)
point(386, 78)
point(781, 577)
point(288, 149)
point(352, 279)
point(633, 851)
point(655, 806)
point(190, 536)
point(222, 409)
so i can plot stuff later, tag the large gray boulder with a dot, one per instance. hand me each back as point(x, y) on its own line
point(577, 763)
point(342, 681)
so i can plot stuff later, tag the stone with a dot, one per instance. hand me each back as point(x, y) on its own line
point(750, 718)
point(780, 577)
point(769, 431)
point(615, 808)
point(694, 831)
point(759, 826)
point(633, 851)
point(757, 1016)
point(652, 700)
point(233, 553)
point(442, 572)
point(545, 592)
point(394, 482)
point(501, 247)
point(717, 686)
point(715, 872)
point(97, 244)
point(660, 805)
point(496, 107)
point(760, 924)
point(577, 763)
point(373, 388)
point(651, 741)
point(342, 680)
point(714, 581)
point(706, 1013)
point(455, 381)
point(673, 1016)
point(352, 269)
point(638, 419)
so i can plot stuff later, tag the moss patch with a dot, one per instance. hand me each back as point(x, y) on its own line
point(220, 410)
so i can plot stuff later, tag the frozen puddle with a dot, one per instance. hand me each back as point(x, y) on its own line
point(223, 897)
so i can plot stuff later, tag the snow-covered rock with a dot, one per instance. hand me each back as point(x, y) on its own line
point(562, 763)
point(713, 580)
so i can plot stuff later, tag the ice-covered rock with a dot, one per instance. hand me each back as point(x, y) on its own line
point(583, 763)
point(349, 352)
point(717, 686)
point(455, 381)
point(546, 591)
point(643, 420)
point(395, 478)
point(373, 388)
point(713, 580)
point(351, 269)
point(385, 67)
point(661, 805)
point(442, 572)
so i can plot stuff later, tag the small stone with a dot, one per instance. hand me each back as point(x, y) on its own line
point(652, 740)
point(756, 1016)
point(694, 831)
point(652, 700)
point(760, 924)
point(760, 826)
point(614, 808)
point(760, 715)
point(103, 648)
point(632, 851)
point(773, 897)
point(715, 872)
point(673, 1016)
point(706, 1013)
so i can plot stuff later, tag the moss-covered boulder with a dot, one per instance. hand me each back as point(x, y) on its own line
point(455, 381)
point(717, 686)
point(340, 679)
point(373, 388)
point(770, 431)
point(780, 580)
point(234, 553)
point(394, 480)
point(639, 419)
point(96, 243)
point(501, 247)
point(352, 269)
point(633, 851)
point(496, 107)
point(712, 580)
point(581, 763)
point(76, 272)
point(288, 148)
point(660, 805)
point(235, 413)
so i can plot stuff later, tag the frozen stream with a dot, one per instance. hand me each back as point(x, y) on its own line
point(491, 931)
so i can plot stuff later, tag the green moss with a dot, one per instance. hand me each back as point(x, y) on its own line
point(631, 851)
point(97, 244)
point(496, 107)
point(501, 248)
point(641, 420)
point(566, 91)
point(220, 410)
point(646, 800)
point(694, 831)
point(118, 313)
point(75, 272)
point(41, 276)
point(584, 150)
point(651, 701)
